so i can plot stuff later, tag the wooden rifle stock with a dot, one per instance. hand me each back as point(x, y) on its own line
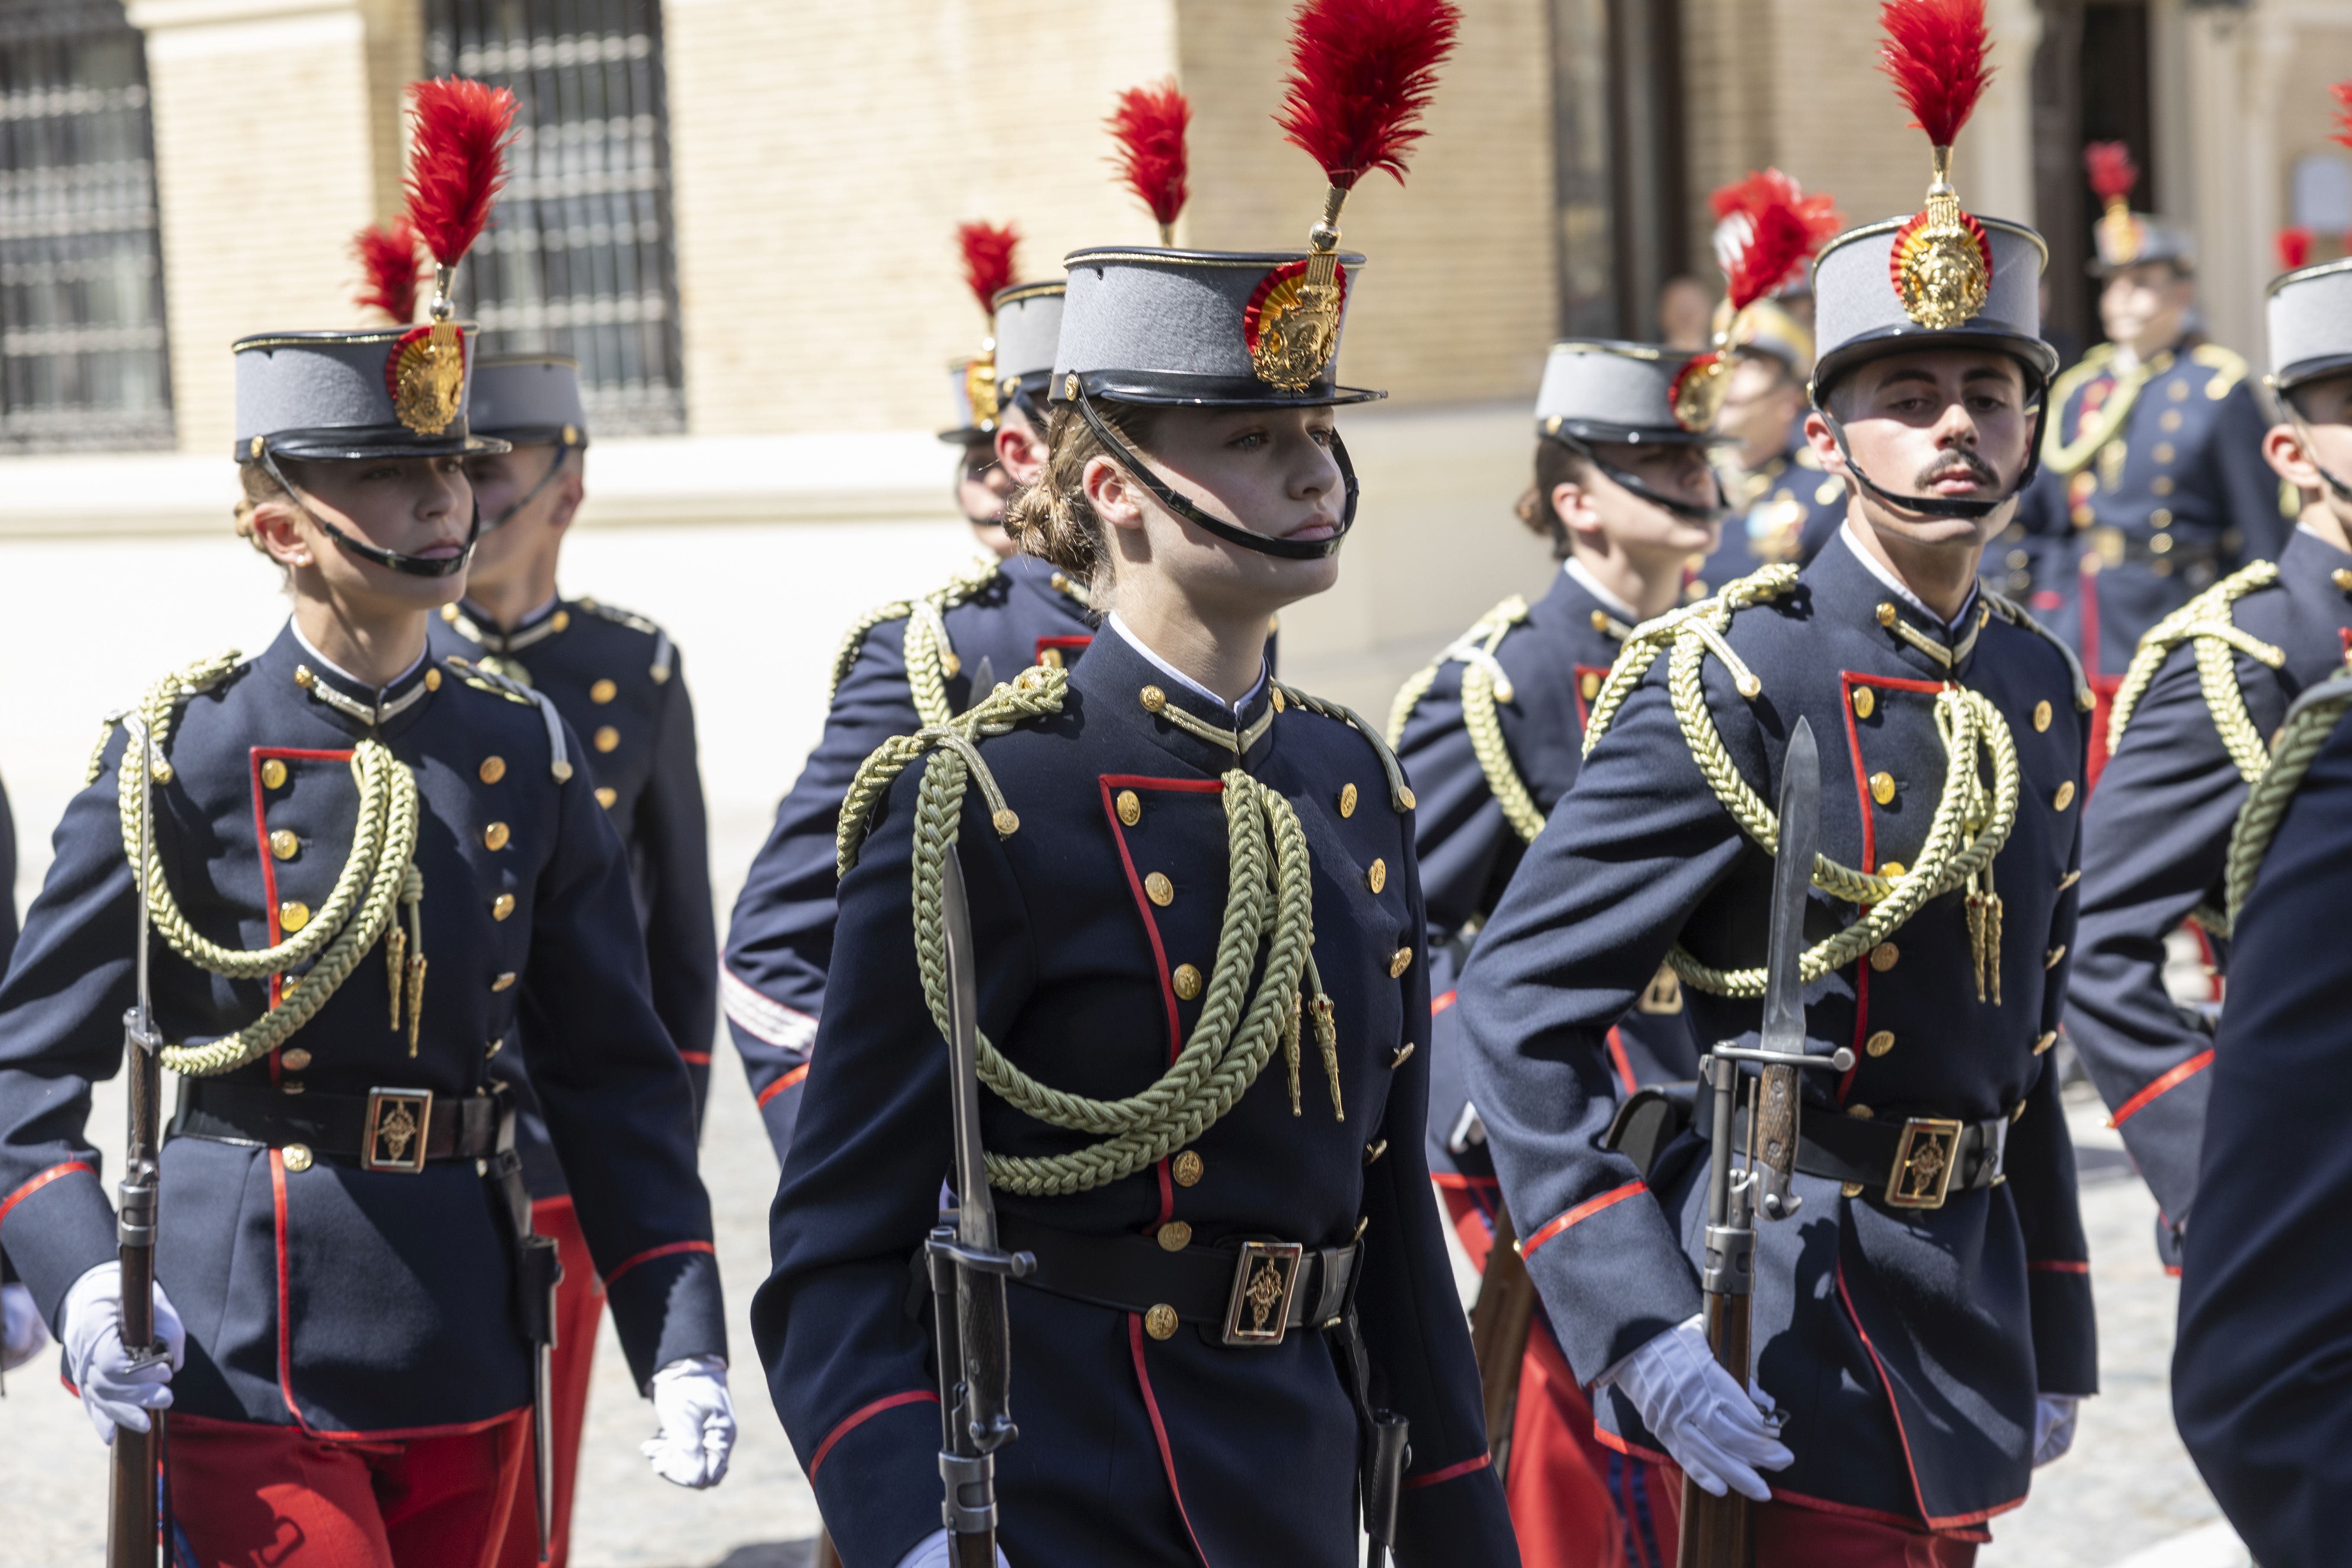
point(1500, 1322)
point(1717, 1531)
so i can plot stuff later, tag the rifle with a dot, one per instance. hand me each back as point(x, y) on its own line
point(135, 1525)
point(972, 1335)
point(1716, 1531)
point(1500, 1322)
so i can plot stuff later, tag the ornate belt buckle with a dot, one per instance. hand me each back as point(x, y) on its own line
point(1923, 1161)
point(397, 1120)
point(1265, 1277)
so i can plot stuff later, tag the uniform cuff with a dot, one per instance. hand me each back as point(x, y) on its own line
point(1612, 1276)
point(57, 1226)
point(876, 1479)
point(2065, 1327)
point(667, 1305)
point(1455, 1516)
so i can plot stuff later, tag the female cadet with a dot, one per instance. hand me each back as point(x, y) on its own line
point(343, 1226)
point(1213, 1153)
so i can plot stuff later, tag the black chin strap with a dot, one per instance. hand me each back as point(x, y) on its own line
point(2341, 490)
point(1632, 483)
point(1942, 506)
point(412, 566)
point(1264, 544)
point(563, 456)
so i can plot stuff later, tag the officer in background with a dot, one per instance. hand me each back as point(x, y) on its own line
point(617, 679)
point(2153, 485)
point(22, 1333)
point(1491, 735)
point(1784, 506)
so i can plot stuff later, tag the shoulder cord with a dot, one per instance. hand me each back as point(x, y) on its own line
point(1485, 684)
point(2207, 623)
point(930, 659)
point(2066, 457)
point(2308, 725)
point(1272, 888)
point(1969, 826)
point(378, 875)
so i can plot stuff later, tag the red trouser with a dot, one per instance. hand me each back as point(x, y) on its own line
point(249, 1496)
point(1788, 1536)
point(578, 1303)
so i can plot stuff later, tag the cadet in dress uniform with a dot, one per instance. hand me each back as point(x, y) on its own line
point(1784, 507)
point(2153, 485)
point(902, 666)
point(1490, 735)
point(617, 679)
point(342, 1216)
point(2191, 733)
point(1925, 1324)
point(1116, 840)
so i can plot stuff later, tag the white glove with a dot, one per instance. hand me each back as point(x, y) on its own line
point(1719, 1434)
point(697, 1422)
point(934, 1551)
point(2053, 1425)
point(114, 1392)
point(22, 1333)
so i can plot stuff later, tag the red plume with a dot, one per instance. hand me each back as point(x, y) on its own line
point(457, 163)
point(2293, 248)
point(987, 259)
point(1360, 73)
point(1148, 125)
point(2113, 173)
point(387, 252)
point(1935, 52)
point(1784, 227)
point(2342, 92)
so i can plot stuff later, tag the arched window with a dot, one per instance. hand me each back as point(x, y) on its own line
point(82, 361)
point(578, 259)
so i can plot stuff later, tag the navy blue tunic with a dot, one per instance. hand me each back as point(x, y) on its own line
point(1785, 511)
point(1906, 1346)
point(2261, 1374)
point(2155, 838)
point(780, 939)
point(1133, 1449)
point(1554, 657)
point(339, 1299)
point(617, 680)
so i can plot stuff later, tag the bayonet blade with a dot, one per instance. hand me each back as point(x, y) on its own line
point(976, 1223)
point(1778, 1092)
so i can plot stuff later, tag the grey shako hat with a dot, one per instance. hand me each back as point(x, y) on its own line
point(2310, 321)
point(531, 400)
point(1860, 312)
point(344, 396)
point(968, 428)
point(1028, 328)
point(1599, 389)
point(1215, 329)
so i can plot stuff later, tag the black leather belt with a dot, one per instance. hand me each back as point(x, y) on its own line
point(2117, 547)
point(1240, 1294)
point(383, 1130)
point(1915, 1163)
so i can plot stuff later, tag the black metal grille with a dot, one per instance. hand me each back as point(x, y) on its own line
point(82, 360)
point(578, 259)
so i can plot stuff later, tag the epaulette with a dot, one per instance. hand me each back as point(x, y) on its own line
point(1477, 646)
point(2311, 719)
point(1485, 684)
point(661, 664)
point(2208, 622)
point(1401, 797)
point(2228, 366)
point(929, 659)
point(2016, 614)
point(2064, 457)
point(474, 674)
point(204, 675)
point(1036, 691)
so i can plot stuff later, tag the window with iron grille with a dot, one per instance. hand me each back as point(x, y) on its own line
point(578, 259)
point(82, 361)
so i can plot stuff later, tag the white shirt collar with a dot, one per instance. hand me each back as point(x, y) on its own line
point(1591, 584)
point(1178, 676)
point(296, 626)
point(1878, 569)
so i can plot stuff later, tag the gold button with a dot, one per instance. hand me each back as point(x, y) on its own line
point(2171, 420)
point(1860, 1112)
point(502, 906)
point(1061, 584)
point(493, 769)
point(1347, 800)
point(1886, 613)
point(2342, 578)
point(292, 1086)
point(1187, 1169)
point(2045, 1042)
point(303, 678)
point(2179, 392)
point(504, 978)
point(562, 619)
point(1279, 705)
point(1159, 890)
point(1160, 1321)
point(1850, 1189)
point(273, 772)
point(2161, 485)
point(292, 916)
point(1130, 807)
point(606, 796)
point(606, 738)
point(1400, 963)
point(297, 1157)
point(1891, 869)
point(1007, 822)
point(1187, 981)
point(285, 844)
point(2164, 452)
point(432, 681)
point(1864, 702)
point(2065, 796)
point(1175, 1236)
point(1378, 876)
point(2041, 715)
point(496, 835)
point(1051, 658)
point(449, 614)
point(294, 1058)
point(2159, 544)
point(1882, 788)
point(949, 664)
point(1404, 800)
point(2055, 953)
point(1883, 956)
point(1590, 685)
point(1880, 1043)
point(603, 691)
point(1152, 699)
